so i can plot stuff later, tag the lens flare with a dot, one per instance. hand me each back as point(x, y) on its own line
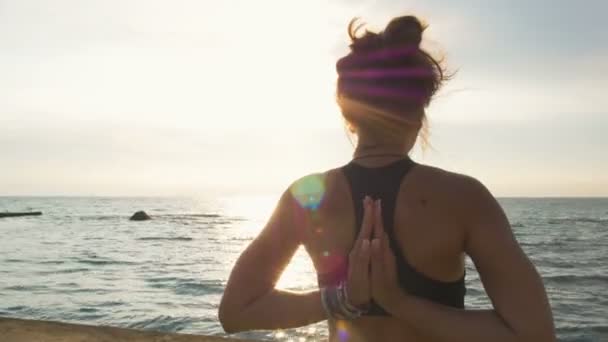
point(357, 60)
point(398, 93)
point(377, 73)
point(332, 267)
point(309, 191)
point(342, 331)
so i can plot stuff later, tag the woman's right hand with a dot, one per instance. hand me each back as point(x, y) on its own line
point(358, 283)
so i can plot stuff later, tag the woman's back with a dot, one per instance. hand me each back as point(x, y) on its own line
point(426, 227)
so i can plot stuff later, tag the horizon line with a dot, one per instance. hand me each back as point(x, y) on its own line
point(269, 193)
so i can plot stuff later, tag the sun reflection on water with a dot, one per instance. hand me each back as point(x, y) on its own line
point(255, 211)
point(299, 274)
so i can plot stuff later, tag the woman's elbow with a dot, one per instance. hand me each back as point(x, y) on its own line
point(545, 335)
point(229, 327)
point(229, 320)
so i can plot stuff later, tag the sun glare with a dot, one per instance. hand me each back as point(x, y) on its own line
point(273, 67)
point(255, 210)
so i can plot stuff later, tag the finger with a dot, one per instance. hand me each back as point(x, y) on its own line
point(376, 258)
point(376, 275)
point(353, 255)
point(364, 232)
point(363, 257)
point(359, 269)
point(378, 223)
point(368, 220)
point(359, 257)
point(388, 256)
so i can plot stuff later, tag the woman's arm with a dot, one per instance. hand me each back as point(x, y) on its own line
point(250, 300)
point(521, 308)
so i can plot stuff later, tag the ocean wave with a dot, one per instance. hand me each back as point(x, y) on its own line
point(191, 215)
point(548, 244)
point(110, 303)
point(100, 217)
point(222, 222)
point(219, 219)
point(170, 264)
point(586, 280)
point(103, 262)
point(52, 262)
point(196, 288)
point(95, 290)
point(155, 238)
point(14, 260)
point(17, 308)
point(164, 323)
point(68, 284)
point(26, 288)
point(583, 328)
point(161, 279)
point(24, 310)
point(69, 270)
point(186, 286)
point(475, 292)
point(224, 239)
point(121, 217)
point(80, 317)
point(562, 220)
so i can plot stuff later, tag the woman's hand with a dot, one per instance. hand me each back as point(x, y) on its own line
point(384, 283)
point(358, 282)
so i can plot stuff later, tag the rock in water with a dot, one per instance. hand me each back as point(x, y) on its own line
point(32, 213)
point(140, 216)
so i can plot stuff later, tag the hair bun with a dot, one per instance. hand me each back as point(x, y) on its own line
point(404, 31)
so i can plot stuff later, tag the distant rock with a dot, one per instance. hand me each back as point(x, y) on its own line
point(31, 213)
point(140, 216)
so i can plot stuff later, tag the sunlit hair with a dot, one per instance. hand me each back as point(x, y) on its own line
point(387, 80)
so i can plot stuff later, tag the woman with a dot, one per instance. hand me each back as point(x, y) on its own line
point(387, 235)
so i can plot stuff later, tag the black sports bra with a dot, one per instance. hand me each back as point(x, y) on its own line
point(384, 183)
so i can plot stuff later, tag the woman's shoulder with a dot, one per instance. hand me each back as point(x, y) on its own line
point(453, 186)
point(315, 181)
point(446, 177)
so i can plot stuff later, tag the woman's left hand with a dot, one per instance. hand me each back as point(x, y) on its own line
point(384, 282)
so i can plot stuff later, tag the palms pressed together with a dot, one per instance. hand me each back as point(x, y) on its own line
point(372, 270)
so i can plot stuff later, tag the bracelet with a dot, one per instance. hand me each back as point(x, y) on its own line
point(349, 306)
point(336, 304)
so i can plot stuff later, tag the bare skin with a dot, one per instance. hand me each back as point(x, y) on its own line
point(439, 217)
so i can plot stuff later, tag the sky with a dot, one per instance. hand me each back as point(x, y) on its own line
point(150, 97)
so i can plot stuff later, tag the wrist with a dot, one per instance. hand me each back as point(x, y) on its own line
point(336, 305)
point(353, 300)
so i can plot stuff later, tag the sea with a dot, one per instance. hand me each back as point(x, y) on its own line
point(84, 261)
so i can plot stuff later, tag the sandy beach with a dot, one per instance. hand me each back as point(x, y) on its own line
point(22, 330)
